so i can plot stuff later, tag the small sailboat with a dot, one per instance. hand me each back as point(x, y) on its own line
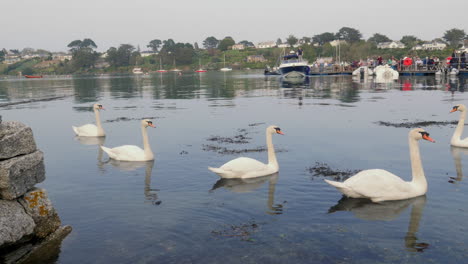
point(137, 70)
point(175, 68)
point(200, 69)
point(224, 68)
point(160, 66)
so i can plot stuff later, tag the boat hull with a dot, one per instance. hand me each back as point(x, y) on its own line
point(298, 71)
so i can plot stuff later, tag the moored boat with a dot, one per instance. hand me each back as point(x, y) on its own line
point(33, 76)
point(293, 67)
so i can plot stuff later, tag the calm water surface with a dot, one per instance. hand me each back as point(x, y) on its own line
point(174, 210)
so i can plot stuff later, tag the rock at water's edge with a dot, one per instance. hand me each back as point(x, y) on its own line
point(14, 222)
point(15, 139)
point(39, 207)
point(20, 174)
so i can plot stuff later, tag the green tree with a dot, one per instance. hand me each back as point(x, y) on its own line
point(2, 55)
point(409, 40)
point(154, 45)
point(279, 41)
point(379, 38)
point(210, 43)
point(323, 38)
point(292, 40)
point(226, 43)
point(306, 39)
point(83, 53)
point(121, 56)
point(349, 34)
point(454, 36)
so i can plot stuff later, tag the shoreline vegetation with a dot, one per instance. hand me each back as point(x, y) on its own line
point(347, 45)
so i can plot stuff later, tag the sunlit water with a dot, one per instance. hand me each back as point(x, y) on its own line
point(174, 210)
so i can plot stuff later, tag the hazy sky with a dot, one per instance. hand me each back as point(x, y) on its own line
point(52, 24)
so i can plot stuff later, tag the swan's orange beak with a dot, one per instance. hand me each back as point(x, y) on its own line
point(151, 125)
point(279, 132)
point(453, 110)
point(102, 108)
point(428, 138)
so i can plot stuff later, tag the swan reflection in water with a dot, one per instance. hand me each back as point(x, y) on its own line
point(457, 153)
point(240, 185)
point(386, 211)
point(99, 141)
point(151, 195)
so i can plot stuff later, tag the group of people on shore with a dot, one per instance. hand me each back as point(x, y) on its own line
point(456, 60)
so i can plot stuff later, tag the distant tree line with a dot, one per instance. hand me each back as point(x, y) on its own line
point(168, 52)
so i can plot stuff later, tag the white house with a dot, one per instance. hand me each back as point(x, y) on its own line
point(391, 45)
point(62, 56)
point(336, 42)
point(266, 45)
point(284, 45)
point(238, 46)
point(147, 53)
point(434, 46)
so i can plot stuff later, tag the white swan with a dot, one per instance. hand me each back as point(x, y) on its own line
point(456, 138)
point(131, 152)
point(90, 130)
point(249, 168)
point(380, 185)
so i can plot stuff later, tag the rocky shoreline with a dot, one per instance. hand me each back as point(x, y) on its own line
point(28, 221)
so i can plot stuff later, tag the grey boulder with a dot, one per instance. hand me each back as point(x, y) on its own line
point(20, 174)
point(39, 207)
point(15, 139)
point(14, 222)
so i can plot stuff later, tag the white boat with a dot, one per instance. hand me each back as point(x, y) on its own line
point(160, 66)
point(363, 72)
point(293, 67)
point(225, 68)
point(137, 70)
point(201, 68)
point(385, 72)
point(175, 68)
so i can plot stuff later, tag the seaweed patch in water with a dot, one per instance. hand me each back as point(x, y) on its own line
point(122, 119)
point(238, 139)
point(417, 124)
point(47, 99)
point(243, 231)
point(226, 151)
point(255, 124)
point(322, 169)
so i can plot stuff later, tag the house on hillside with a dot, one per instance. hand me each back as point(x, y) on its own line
point(266, 45)
point(147, 53)
point(391, 45)
point(238, 47)
point(284, 45)
point(337, 42)
point(61, 56)
point(430, 46)
point(256, 58)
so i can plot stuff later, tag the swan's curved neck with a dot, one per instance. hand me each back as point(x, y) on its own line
point(459, 130)
point(416, 165)
point(146, 145)
point(98, 122)
point(271, 151)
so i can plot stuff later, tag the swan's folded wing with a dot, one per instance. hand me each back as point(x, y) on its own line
point(243, 164)
point(86, 130)
point(378, 183)
point(128, 152)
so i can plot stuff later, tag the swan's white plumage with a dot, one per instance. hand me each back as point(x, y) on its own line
point(244, 167)
point(456, 138)
point(381, 185)
point(91, 130)
point(131, 152)
point(125, 152)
